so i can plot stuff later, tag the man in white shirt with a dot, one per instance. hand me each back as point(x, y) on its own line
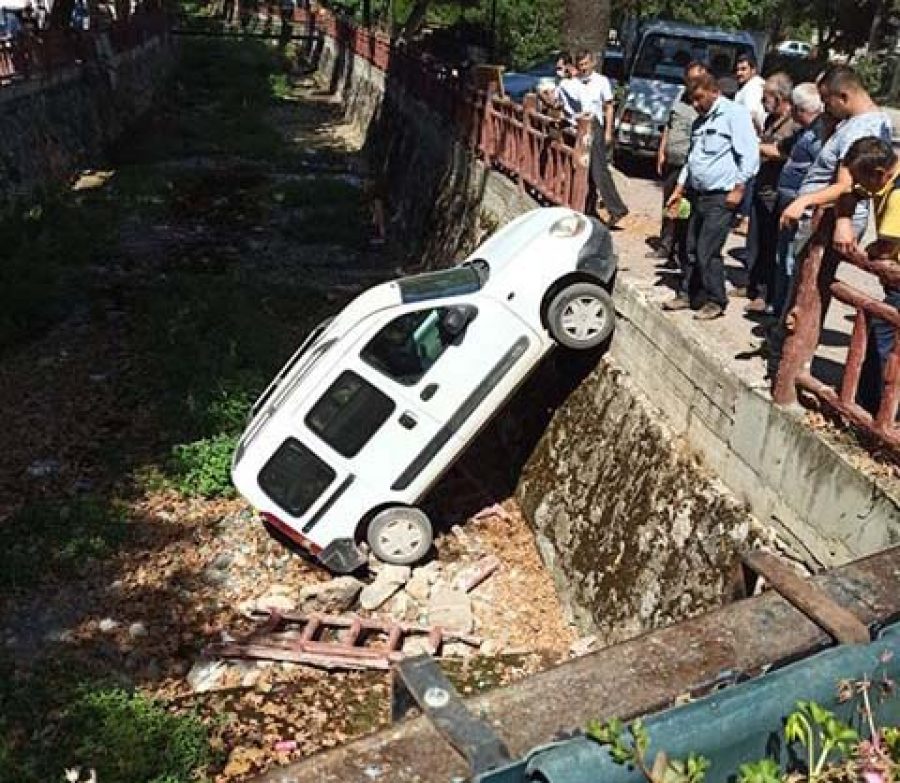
point(750, 89)
point(596, 99)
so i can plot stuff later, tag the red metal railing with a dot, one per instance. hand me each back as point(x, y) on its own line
point(39, 54)
point(816, 286)
point(549, 160)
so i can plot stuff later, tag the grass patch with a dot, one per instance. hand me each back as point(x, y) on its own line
point(57, 716)
point(203, 468)
point(55, 541)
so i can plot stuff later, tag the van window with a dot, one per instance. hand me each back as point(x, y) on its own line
point(663, 57)
point(456, 281)
point(408, 346)
point(349, 414)
point(294, 477)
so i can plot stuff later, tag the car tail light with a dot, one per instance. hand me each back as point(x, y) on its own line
point(287, 530)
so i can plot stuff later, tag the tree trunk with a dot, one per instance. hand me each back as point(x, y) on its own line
point(415, 21)
point(875, 28)
point(586, 25)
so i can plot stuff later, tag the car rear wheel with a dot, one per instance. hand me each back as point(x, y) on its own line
point(401, 535)
point(581, 316)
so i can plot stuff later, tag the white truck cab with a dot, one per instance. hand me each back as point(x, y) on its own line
point(655, 78)
point(379, 401)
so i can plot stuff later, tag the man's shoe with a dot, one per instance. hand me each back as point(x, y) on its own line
point(709, 311)
point(678, 303)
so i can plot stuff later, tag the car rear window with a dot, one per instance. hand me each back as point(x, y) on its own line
point(295, 478)
point(349, 413)
point(460, 280)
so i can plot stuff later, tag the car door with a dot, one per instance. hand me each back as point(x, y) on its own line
point(453, 363)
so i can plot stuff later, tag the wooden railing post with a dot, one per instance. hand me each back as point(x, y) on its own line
point(528, 155)
point(816, 266)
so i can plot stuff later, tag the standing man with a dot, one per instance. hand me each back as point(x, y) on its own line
point(778, 130)
point(802, 150)
point(846, 100)
point(723, 157)
point(671, 156)
point(596, 98)
point(750, 96)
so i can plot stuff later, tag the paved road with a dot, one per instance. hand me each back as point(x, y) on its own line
point(735, 338)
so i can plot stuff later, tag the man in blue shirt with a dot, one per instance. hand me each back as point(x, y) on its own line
point(723, 157)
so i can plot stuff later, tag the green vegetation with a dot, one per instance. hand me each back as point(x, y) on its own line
point(202, 468)
point(55, 541)
point(834, 751)
point(59, 717)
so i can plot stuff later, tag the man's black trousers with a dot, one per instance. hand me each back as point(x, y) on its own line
point(602, 183)
point(704, 270)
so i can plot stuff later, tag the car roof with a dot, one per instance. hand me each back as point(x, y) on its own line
point(694, 31)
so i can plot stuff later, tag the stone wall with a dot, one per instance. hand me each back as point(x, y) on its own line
point(636, 532)
point(54, 126)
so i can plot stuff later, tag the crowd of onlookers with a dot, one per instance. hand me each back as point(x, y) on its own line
point(777, 153)
point(763, 164)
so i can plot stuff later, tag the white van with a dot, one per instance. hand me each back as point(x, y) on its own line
point(379, 401)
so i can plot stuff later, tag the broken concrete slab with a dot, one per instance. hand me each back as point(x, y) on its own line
point(335, 595)
point(450, 609)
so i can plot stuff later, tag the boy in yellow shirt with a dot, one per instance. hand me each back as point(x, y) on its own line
point(875, 168)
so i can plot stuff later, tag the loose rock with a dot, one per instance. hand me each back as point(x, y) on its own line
point(336, 595)
point(450, 609)
point(108, 625)
point(205, 675)
point(137, 630)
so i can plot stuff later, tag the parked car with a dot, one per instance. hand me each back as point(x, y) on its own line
point(377, 403)
point(794, 49)
point(516, 84)
point(656, 73)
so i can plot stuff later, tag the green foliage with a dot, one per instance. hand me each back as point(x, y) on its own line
point(820, 732)
point(203, 467)
point(47, 541)
point(762, 771)
point(891, 736)
point(629, 745)
point(128, 738)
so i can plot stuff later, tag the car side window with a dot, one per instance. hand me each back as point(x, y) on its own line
point(349, 413)
point(407, 347)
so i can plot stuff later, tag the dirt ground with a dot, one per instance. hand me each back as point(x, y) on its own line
point(161, 572)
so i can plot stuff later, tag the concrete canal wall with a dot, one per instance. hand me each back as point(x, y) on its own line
point(54, 125)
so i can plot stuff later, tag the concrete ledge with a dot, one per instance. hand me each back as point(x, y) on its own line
point(639, 676)
point(828, 510)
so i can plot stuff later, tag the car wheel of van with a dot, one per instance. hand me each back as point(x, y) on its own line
point(581, 316)
point(400, 535)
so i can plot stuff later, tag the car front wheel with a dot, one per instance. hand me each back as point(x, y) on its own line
point(400, 535)
point(581, 316)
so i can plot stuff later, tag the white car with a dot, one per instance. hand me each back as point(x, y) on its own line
point(379, 401)
point(794, 49)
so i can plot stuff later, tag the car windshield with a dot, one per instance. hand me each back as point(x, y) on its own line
point(663, 57)
point(459, 280)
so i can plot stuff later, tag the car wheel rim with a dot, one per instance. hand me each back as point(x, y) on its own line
point(400, 538)
point(583, 317)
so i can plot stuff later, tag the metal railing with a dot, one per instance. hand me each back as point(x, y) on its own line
point(40, 54)
point(547, 158)
point(816, 286)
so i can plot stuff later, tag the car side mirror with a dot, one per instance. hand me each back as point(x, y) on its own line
point(454, 320)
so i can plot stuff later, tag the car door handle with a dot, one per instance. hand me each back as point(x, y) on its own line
point(407, 420)
point(428, 391)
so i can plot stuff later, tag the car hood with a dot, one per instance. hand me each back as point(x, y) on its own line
point(653, 97)
point(506, 246)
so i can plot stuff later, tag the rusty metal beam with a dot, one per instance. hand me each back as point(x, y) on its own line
point(841, 623)
point(639, 676)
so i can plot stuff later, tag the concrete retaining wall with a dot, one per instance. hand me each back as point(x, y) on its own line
point(53, 127)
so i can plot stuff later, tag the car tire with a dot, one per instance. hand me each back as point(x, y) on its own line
point(581, 316)
point(400, 535)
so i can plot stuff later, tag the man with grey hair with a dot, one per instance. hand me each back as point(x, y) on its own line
point(802, 150)
point(778, 129)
